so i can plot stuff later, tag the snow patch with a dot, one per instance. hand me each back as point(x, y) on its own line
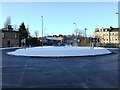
point(52, 51)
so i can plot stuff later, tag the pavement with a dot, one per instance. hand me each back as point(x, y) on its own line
point(79, 72)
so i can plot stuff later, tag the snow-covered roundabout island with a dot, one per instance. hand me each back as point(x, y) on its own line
point(59, 51)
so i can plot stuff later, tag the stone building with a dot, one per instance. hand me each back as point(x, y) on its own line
point(107, 36)
point(9, 38)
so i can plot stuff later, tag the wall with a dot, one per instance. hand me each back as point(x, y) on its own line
point(10, 36)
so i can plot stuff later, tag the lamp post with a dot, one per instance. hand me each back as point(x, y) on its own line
point(85, 32)
point(75, 25)
point(118, 27)
point(42, 30)
point(85, 37)
point(75, 31)
point(118, 13)
point(118, 19)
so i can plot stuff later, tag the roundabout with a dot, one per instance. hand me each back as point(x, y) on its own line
point(80, 72)
point(59, 51)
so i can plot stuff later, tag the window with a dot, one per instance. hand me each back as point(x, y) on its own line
point(116, 34)
point(3, 35)
point(106, 34)
point(15, 36)
point(104, 39)
point(106, 29)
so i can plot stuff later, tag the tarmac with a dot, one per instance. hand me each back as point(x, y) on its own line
point(76, 72)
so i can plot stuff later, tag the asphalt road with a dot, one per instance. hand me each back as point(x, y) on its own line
point(79, 72)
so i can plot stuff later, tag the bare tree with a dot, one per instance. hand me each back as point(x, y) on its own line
point(78, 32)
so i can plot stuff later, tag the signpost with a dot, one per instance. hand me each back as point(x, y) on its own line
point(93, 41)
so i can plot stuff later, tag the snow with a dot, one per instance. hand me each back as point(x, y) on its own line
point(63, 51)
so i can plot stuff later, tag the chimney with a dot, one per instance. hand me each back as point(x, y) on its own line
point(111, 28)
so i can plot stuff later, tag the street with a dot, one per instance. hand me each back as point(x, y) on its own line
point(77, 72)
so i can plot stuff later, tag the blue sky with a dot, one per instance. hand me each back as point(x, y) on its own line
point(60, 16)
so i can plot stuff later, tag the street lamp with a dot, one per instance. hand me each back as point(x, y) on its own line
point(75, 31)
point(118, 27)
point(85, 32)
point(118, 13)
point(75, 25)
point(85, 36)
point(42, 30)
point(75, 28)
point(118, 19)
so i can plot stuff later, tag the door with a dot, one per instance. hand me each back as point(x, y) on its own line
point(8, 43)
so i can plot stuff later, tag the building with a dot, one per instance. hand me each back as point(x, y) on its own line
point(71, 40)
point(10, 38)
point(54, 41)
point(62, 40)
point(107, 36)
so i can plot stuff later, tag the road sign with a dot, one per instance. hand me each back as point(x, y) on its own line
point(94, 39)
